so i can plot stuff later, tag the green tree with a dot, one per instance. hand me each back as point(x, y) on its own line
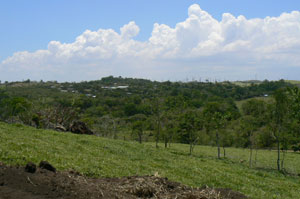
point(157, 109)
point(138, 125)
point(294, 125)
point(278, 113)
point(108, 126)
point(189, 125)
point(4, 102)
point(138, 130)
point(168, 127)
point(249, 126)
point(216, 117)
point(294, 94)
point(18, 107)
point(253, 119)
point(130, 109)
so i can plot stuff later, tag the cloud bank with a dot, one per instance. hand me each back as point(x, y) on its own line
point(199, 47)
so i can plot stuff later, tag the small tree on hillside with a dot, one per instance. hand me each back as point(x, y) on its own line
point(278, 113)
point(253, 118)
point(189, 125)
point(215, 116)
point(294, 95)
point(138, 130)
point(168, 127)
point(18, 108)
point(4, 102)
point(226, 139)
point(157, 114)
point(249, 126)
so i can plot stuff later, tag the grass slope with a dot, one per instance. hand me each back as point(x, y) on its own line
point(95, 156)
point(295, 82)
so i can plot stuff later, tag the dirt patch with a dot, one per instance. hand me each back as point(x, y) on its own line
point(16, 183)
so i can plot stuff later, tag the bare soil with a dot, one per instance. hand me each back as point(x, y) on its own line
point(40, 183)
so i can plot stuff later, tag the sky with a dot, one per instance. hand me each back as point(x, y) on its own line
point(177, 40)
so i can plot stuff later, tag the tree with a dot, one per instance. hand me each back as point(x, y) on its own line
point(138, 126)
point(294, 125)
point(51, 116)
point(138, 129)
point(19, 108)
point(130, 109)
point(216, 116)
point(4, 101)
point(253, 111)
point(294, 94)
point(278, 113)
point(249, 126)
point(189, 125)
point(168, 126)
point(226, 139)
point(107, 125)
point(157, 112)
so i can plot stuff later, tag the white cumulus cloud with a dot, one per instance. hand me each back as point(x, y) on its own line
point(200, 46)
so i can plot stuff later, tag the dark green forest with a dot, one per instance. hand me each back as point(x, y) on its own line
point(253, 114)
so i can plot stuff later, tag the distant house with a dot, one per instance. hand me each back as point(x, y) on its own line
point(122, 87)
point(266, 95)
point(114, 87)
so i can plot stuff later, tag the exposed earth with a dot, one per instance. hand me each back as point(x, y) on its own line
point(43, 181)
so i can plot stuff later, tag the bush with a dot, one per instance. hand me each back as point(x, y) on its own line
point(296, 147)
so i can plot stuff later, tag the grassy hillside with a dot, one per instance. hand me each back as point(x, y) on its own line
point(95, 156)
point(295, 82)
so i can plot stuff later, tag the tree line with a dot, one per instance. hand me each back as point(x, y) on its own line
point(164, 112)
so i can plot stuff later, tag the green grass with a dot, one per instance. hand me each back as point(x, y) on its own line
point(95, 156)
point(296, 82)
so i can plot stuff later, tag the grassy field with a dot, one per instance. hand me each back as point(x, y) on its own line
point(248, 83)
point(296, 82)
point(95, 156)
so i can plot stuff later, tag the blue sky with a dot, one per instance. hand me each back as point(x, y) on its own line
point(31, 25)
